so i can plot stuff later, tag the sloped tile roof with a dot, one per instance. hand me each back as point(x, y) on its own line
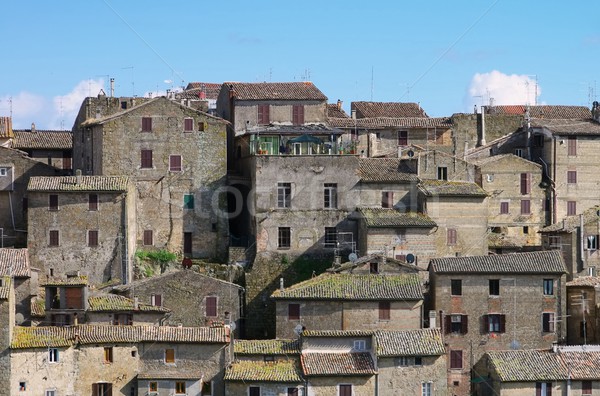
point(387, 109)
point(192, 276)
point(281, 371)
point(81, 280)
point(38, 307)
point(569, 127)
point(6, 130)
point(334, 111)
point(352, 287)
point(447, 188)
point(175, 373)
point(14, 262)
point(388, 122)
point(510, 157)
point(267, 347)
point(277, 91)
point(422, 342)
point(571, 223)
point(390, 218)
point(193, 90)
point(113, 302)
point(543, 111)
point(589, 281)
point(5, 289)
point(320, 130)
point(337, 333)
point(323, 363)
point(47, 336)
point(582, 365)
point(541, 262)
point(69, 183)
point(527, 365)
point(43, 139)
point(385, 170)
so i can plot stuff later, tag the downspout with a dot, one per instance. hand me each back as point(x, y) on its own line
point(554, 198)
point(552, 186)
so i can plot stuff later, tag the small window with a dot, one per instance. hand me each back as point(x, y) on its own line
point(293, 311)
point(153, 386)
point(330, 237)
point(548, 322)
point(402, 138)
point(572, 177)
point(548, 287)
point(297, 114)
point(543, 388)
point(156, 300)
point(188, 242)
point(525, 183)
point(92, 238)
point(519, 152)
point(54, 239)
point(526, 230)
point(123, 105)
point(456, 359)
point(211, 306)
point(456, 287)
point(571, 208)
point(494, 323)
point(53, 202)
point(345, 390)
point(572, 146)
point(403, 361)
point(146, 124)
point(53, 355)
point(374, 267)
point(586, 388)
point(525, 207)
point(3, 171)
point(494, 287)
point(592, 242)
point(426, 389)
point(538, 140)
point(263, 115)
point(504, 207)
point(451, 236)
point(442, 173)
point(188, 125)
point(175, 163)
point(330, 196)
point(22, 386)
point(169, 355)
point(387, 199)
point(108, 355)
point(284, 237)
point(188, 201)
point(51, 392)
point(254, 391)
point(148, 238)
point(180, 387)
point(360, 345)
point(146, 159)
point(293, 392)
point(284, 195)
point(93, 202)
point(457, 323)
point(384, 310)
point(418, 360)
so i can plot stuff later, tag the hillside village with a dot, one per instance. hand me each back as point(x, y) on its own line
point(255, 239)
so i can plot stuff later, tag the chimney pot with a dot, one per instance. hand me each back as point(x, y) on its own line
point(33, 127)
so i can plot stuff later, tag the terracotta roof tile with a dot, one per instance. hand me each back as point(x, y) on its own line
point(113, 302)
point(334, 111)
point(589, 281)
point(267, 347)
point(582, 365)
point(423, 342)
point(387, 109)
point(277, 91)
point(281, 371)
point(176, 373)
point(432, 188)
point(384, 170)
point(571, 223)
point(569, 127)
point(14, 262)
point(42, 139)
point(6, 130)
point(81, 280)
point(543, 111)
point(388, 122)
point(541, 262)
point(323, 363)
point(355, 287)
point(69, 183)
point(337, 333)
point(5, 289)
point(390, 218)
point(194, 90)
point(38, 307)
point(527, 365)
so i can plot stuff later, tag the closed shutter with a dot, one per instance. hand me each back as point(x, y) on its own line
point(175, 163)
point(211, 306)
point(464, 324)
point(146, 124)
point(502, 323)
point(448, 324)
point(74, 297)
point(146, 159)
point(294, 311)
point(384, 310)
point(525, 183)
point(148, 238)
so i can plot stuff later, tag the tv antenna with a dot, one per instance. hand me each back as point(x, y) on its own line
point(132, 80)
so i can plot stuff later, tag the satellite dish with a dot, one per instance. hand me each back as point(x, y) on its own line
point(232, 326)
point(298, 329)
point(410, 258)
point(19, 318)
point(410, 153)
point(353, 257)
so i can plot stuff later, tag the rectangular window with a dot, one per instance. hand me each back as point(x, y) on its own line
point(345, 390)
point(538, 140)
point(51, 392)
point(254, 391)
point(384, 310)
point(451, 236)
point(92, 238)
point(374, 267)
point(54, 238)
point(571, 208)
point(456, 287)
point(403, 361)
point(442, 173)
point(188, 201)
point(494, 323)
point(503, 207)
point(297, 114)
point(426, 388)
point(211, 306)
point(263, 115)
point(494, 287)
point(586, 387)
point(402, 138)
point(548, 287)
point(456, 359)
point(571, 146)
point(53, 355)
point(170, 355)
point(146, 124)
point(53, 202)
point(93, 202)
point(592, 242)
point(519, 152)
point(153, 386)
point(293, 392)
point(175, 163)
point(284, 238)
point(108, 355)
point(187, 243)
point(180, 387)
point(284, 195)
point(543, 389)
point(330, 196)
point(102, 389)
point(293, 311)
point(22, 386)
point(67, 161)
point(148, 238)
point(330, 237)
point(572, 177)
point(525, 207)
point(146, 159)
point(418, 360)
point(525, 183)
point(387, 199)
point(360, 345)
point(188, 124)
point(156, 300)
point(548, 322)
point(123, 319)
point(457, 323)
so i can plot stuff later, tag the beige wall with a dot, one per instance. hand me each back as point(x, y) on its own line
point(329, 386)
point(395, 380)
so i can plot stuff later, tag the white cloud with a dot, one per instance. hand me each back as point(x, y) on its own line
point(67, 106)
point(501, 89)
point(25, 107)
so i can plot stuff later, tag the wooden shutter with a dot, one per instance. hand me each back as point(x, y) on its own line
point(294, 311)
point(187, 243)
point(464, 324)
point(448, 324)
point(53, 202)
point(175, 163)
point(486, 324)
point(54, 238)
point(148, 237)
point(146, 159)
point(211, 306)
point(188, 124)
point(146, 124)
point(169, 355)
point(384, 310)
point(263, 114)
point(525, 183)
point(92, 238)
point(67, 162)
point(297, 114)
point(345, 390)
point(95, 391)
point(93, 202)
point(502, 323)
point(572, 146)
point(74, 297)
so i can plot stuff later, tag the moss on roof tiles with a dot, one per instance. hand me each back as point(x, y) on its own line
point(450, 188)
point(421, 342)
point(267, 347)
point(75, 183)
point(389, 218)
point(113, 302)
point(280, 371)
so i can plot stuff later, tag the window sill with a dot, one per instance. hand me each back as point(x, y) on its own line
point(283, 248)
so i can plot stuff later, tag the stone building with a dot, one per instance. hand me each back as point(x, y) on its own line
point(516, 203)
point(496, 302)
point(583, 320)
point(193, 299)
point(350, 302)
point(563, 371)
point(54, 148)
point(82, 224)
point(176, 158)
point(200, 95)
point(16, 168)
point(110, 309)
point(7, 321)
point(65, 300)
point(14, 263)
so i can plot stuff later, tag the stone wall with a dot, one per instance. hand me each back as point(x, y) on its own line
point(329, 386)
point(395, 380)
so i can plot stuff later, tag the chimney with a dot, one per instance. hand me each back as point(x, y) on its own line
point(78, 176)
point(432, 319)
point(482, 141)
point(354, 114)
point(136, 303)
point(33, 127)
point(281, 284)
point(339, 104)
point(75, 320)
point(555, 347)
point(112, 87)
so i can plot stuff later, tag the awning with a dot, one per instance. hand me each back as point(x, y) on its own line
point(306, 139)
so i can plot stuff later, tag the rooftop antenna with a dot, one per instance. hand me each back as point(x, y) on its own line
point(591, 93)
point(132, 81)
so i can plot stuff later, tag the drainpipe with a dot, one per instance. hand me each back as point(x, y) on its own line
point(554, 198)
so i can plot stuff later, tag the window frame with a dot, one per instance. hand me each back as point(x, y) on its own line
point(494, 287)
point(571, 208)
point(359, 345)
point(457, 324)
point(186, 127)
point(402, 138)
point(146, 159)
point(387, 199)
point(108, 355)
point(548, 322)
point(525, 207)
point(456, 359)
point(180, 387)
point(53, 204)
point(92, 238)
point(293, 311)
point(188, 202)
point(345, 390)
point(426, 389)
point(174, 159)
point(330, 196)
point(146, 124)
point(456, 287)
point(385, 311)
point(153, 387)
point(505, 207)
point(211, 309)
point(284, 238)
point(548, 287)
point(494, 323)
point(169, 357)
point(156, 300)
point(442, 173)
point(571, 177)
point(93, 202)
point(148, 236)
point(451, 237)
point(54, 238)
point(53, 355)
point(330, 237)
point(284, 195)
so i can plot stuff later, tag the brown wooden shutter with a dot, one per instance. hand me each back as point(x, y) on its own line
point(146, 159)
point(74, 297)
point(294, 311)
point(95, 390)
point(54, 238)
point(211, 306)
point(146, 124)
point(148, 237)
point(384, 310)
point(502, 323)
point(92, 238)
point(486, 324)
point(448, 324)
point(175, 163)
point(169, 355)
point(464, 324)
point(93, 202)
point(188, 124)
point(525, 183)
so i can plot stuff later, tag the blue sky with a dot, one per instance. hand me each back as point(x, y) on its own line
point(446, 56)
